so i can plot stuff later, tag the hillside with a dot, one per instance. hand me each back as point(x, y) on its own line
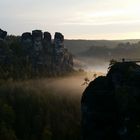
point(76, 46)
point(90, 54)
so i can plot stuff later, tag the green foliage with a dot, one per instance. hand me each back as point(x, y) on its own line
point(112, 62)
point(31, 112)
point(6, 133)
point(7, 120)
point(46, 135)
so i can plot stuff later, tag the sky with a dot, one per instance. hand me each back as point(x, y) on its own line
point(76, 19)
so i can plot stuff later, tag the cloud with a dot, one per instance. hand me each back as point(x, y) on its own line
point(73, 17)
point(105, 13)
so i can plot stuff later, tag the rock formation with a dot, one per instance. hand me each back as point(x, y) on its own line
point(27, 43)
point(110, 105)
point(47, 36)
point(47, 55)
point(39, 54)
point(2, 34)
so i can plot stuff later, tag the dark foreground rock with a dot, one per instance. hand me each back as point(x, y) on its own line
point(111, 105)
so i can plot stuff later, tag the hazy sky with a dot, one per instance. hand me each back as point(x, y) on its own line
point(83, 19)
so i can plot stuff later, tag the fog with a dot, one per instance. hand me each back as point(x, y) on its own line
point(90, 64)
point(68, 85)
point(96, 55)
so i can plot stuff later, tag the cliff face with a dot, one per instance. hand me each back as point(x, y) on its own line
point(110, 105)
point(43, 52)
point(37, 53)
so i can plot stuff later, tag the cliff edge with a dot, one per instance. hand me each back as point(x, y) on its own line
point(111, 104)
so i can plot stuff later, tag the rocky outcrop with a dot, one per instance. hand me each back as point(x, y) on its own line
point(47, 37)
point(110, 105)
point(47, 54)
point(38, 53)
point(59, 37)
point(26, 40)
point(3, 34)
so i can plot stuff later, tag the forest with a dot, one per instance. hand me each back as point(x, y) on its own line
point(30, 110)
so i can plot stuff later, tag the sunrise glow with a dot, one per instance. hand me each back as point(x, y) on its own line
point(98, 19)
